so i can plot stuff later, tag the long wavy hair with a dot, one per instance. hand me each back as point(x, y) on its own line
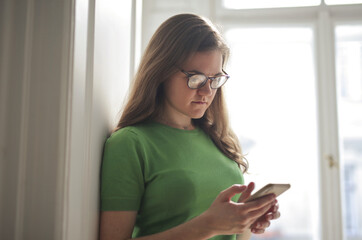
point(175, 41)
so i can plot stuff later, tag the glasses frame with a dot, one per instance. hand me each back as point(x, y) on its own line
point(189, 75)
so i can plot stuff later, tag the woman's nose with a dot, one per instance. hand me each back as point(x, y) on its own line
point(206, 90)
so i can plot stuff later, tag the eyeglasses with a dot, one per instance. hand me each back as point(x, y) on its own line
point(198, 80)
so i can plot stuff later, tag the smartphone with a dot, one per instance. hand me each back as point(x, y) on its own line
point(270, 188)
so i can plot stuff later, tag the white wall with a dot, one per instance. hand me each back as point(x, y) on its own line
point(64, 69)
point(101, 81)
point(34, 61)
point(154, 12)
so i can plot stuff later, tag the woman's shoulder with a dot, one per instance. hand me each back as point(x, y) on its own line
point(130, 132)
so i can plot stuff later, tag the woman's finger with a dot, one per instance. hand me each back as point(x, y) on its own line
point(247, 193)
point(258, 213)
point(272, 216)
point(261, 202)
point(260, 225)
point(275, 208)
point(275, 215)
point(257, 231)
point(227, 194)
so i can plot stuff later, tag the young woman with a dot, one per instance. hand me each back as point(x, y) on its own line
point(173, 169)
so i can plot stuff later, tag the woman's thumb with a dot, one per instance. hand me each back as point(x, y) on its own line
point(227, 194)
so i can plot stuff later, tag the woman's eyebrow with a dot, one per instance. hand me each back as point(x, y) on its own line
point(196, 71)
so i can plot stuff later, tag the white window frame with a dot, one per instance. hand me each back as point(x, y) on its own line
point(323, 19)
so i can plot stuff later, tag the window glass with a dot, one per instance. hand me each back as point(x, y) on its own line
point(335, 2)
point(247, 4)
point(349, 82)
point(272, 104)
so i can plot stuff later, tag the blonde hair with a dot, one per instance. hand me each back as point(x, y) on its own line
point(175, 41)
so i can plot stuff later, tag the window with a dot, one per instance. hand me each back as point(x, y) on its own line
point(237, 4)
point(349, 81)
point(336, 2)
point(272, 104)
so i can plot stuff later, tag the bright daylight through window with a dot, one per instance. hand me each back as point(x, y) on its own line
point(349, 81)
point(338, 2)
point(237, 4)
point(272, 103)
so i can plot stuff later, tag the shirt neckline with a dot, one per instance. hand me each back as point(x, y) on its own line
point(196, 130)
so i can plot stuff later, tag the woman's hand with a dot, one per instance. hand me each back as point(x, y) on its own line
point(262, 222)
point(225, 217)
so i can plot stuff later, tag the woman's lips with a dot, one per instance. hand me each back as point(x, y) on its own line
point(199, 102)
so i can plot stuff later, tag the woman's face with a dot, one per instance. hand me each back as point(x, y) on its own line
point(183, 103)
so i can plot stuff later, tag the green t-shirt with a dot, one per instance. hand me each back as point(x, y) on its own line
point(168, 175)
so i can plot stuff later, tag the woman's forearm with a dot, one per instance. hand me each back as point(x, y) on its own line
point(195, 229)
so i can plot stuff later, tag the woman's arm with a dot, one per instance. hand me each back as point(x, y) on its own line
point(224, 217)
point(119, 225)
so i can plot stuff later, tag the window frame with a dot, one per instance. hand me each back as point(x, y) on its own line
point(322, 19)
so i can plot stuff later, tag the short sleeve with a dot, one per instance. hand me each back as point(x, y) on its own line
point(122, 182)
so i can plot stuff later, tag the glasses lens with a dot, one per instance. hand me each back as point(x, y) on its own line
point(196, 81)
point(218, 81)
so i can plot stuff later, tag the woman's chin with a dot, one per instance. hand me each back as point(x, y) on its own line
point(198, 115)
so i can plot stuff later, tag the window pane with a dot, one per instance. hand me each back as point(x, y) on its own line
point(247, 4)
point(272, 104)
point(349, 82)
point(335, 2)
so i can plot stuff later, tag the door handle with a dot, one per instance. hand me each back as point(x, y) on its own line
point(331, 161)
